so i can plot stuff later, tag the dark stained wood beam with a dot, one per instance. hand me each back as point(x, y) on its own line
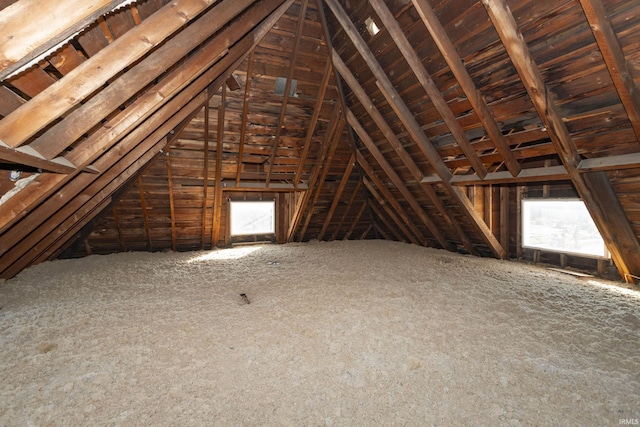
point(347, 209)
point(593, 187)
point(397, 181)
point(29, 32)
point(143, 207)
point(205, 172)
point(314, 120)
point(172, 205)
point(326, 165)
point(89, 76)
point(615, 60)
point(26, 156)
point(448, 51)
point(427, 83)
point(217, 201)
point(401, 110)
point(336, 198)
point(287, 89)
point(315, 171)
point(245, 113)
point(356, 221)
point(544, 174)
point(385, 198)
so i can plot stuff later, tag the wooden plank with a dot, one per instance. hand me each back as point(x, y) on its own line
point(83, 118)
point(622, 161)
point(614, 58)
point(245, 113)
point(292, 67)
point(551, 173)
point(315, 171)
point(402, 225)
point(448, 51)
point(116, 219)
point(172, 204)
point(217, 201)
point(145, 218)
point(326, 166)
point(28, 157)
point(504, 217)
point(32, 27)
point(31, 117)
point(356, 221)
point(427, 84)
point(397, 181)
point(205, 172)
point(338, 195)
point(347, 209)
point(314, 119)
point(593, 187)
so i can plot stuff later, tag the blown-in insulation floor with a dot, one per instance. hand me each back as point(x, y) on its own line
point(357, 333)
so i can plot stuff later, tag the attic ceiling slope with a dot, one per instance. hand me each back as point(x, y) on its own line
point(32, 219)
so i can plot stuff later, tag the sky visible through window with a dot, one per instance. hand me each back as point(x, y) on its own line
point(249, 218)
point(562, 226)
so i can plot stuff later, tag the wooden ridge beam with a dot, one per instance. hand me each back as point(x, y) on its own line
point(89, 76)
point(336, 199)
point(427, 84)
point(614, 59)
point(593, 187)
point(287, 89)
point(449, 53)
point(415, 131)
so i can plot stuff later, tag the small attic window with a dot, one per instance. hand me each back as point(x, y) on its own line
point(372, 27)
point(561, 225)
point(281, 84)
point(252, 218)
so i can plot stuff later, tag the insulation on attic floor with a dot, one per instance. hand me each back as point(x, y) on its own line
point(340, 333)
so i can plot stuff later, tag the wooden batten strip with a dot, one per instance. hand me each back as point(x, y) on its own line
point(427, 83)
point(593, 187)
point(338, 196)
point(550, 173)
point(29, 157)
point(614, 58)
point(172, 205)
point(145, 218)
point(287, 89)
point(116, 219)
point(449, 53)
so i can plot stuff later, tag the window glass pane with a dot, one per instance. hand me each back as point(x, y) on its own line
point(252, 218)
point(561, 226)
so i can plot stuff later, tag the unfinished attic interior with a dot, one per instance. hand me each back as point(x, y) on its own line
point(474, 133)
